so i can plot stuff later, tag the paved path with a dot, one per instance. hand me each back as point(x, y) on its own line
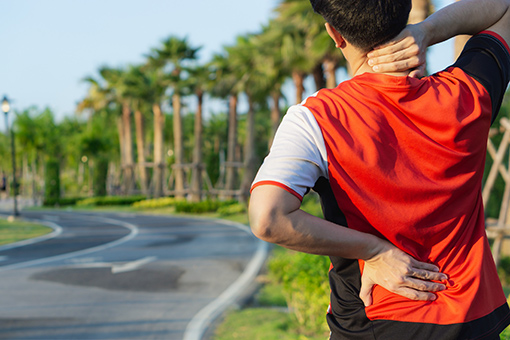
point(122, 276)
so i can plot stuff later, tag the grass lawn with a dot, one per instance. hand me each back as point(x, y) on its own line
point(260, 324)
point(15, 231)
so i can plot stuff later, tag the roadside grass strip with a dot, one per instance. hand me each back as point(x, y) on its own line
point(16, 231)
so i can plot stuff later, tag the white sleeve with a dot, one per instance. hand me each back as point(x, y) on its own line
point(298, 156)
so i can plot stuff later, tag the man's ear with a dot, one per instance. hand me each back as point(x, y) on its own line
point(337, 37)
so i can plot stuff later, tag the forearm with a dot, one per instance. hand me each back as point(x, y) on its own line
point(463, 17)
point(283, 223)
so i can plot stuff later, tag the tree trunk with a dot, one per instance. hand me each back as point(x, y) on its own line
point(34, 178)
point(196, 179)
point(159, 166)
point(140, 148)
point(299, 79)
point(128, 148)
point(122, 146)
point(250, 157)
point(275, 115)
point(318, 77)
point(232, 145)
point(330, 66)
point(178, 148)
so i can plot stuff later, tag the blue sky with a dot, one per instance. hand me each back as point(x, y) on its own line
point(48, 46)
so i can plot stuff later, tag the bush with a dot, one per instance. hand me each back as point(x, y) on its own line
point(201, 207)
point(304, 280)
point(110, 200)
point(155, 203)
point(504, 270)
point(232, 209)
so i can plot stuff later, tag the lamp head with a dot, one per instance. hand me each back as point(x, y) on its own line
point(5, 105)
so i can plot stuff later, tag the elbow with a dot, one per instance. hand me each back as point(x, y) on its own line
point(262, 224)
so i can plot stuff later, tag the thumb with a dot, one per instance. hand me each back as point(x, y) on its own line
point(365, 292)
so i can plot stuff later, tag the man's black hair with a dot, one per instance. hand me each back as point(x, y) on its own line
point(365, 23)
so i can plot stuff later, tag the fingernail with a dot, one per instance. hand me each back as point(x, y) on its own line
point(375, 68)
point(370, 62)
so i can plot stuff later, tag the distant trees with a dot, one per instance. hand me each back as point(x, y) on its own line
point(146, 105)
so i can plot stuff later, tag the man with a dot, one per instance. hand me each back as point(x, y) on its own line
point(399, 161)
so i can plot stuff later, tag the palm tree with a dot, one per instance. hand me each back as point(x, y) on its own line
point(271, 65)
point(226, 85)
point(115, 86)
point(173, 55)
point(156, 87)
point(199, 82)
point(309, 36)
point(139, 90)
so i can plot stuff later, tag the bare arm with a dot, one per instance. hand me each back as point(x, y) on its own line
point(275, 217)
point(407, 51)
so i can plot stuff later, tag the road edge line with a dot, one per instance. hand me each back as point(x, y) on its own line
point(198, 326)
point(57, 230)
point(133, 233)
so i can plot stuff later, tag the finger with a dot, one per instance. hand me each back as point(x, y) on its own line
point(424, 286)
point(427, 275)
point(390, 57)
point(396, 66)
point(365, 292)
point(424, 265)
point(416, 294)
point(392, 47)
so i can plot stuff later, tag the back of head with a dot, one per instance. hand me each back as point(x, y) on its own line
point(365, 23)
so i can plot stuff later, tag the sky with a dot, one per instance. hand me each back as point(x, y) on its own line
point(47, 47)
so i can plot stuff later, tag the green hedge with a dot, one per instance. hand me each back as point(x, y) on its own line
point(304, 281)
point(155, 203)
point(201, 207)
point(110, 200)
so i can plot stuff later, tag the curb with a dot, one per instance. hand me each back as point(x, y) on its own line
point(201, 322)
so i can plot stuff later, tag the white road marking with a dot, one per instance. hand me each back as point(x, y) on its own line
point(117, 267)
point(197, 327)
point(133, 233)
point(57, 230)
point(83, 260)
point(133, 265)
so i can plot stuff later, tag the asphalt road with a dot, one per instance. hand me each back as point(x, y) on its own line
point(122, 276)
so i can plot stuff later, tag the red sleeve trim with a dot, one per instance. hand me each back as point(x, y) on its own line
point(280, 185)
point(497, 36)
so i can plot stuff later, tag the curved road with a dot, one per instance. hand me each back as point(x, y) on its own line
point(123, 276)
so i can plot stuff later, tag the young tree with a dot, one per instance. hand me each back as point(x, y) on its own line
point(172, 56)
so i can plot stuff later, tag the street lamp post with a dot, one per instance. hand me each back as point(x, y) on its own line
point(5, 108)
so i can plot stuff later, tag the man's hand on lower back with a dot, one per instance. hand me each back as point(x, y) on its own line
point(401, 274)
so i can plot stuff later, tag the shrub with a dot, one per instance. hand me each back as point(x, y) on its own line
point(110, 200)
point(504, 270)
point(232, 209)
point(304, 280)
point(201, 207)
point(155, 203)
